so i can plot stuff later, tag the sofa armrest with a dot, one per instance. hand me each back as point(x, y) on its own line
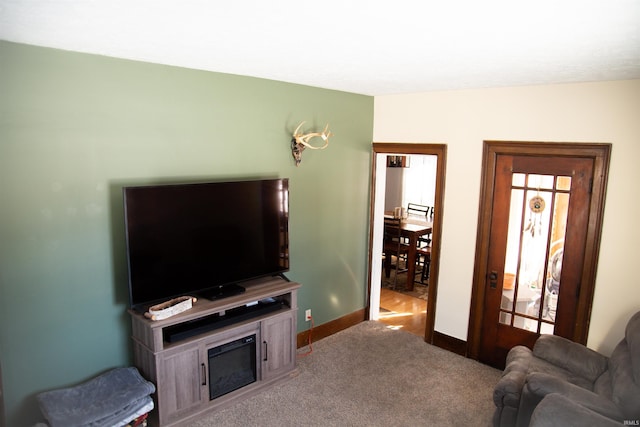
point(508, 389)
point(558, 410)
point(571, 356)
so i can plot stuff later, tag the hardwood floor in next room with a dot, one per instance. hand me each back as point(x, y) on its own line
point(403, 312)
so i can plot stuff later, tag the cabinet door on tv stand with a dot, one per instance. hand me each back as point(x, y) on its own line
point(181, 382)
point(278, 345)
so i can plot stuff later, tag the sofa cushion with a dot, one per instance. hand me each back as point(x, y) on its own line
point(539, 385)
point(571, 356)
point(557, 410)
point(602, 386)
point(632, 335)
point(625, 391)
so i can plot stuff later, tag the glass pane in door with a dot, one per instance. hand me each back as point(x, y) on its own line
point(554, 266)
point(535, 242)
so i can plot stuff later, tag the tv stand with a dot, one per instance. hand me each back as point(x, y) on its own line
point(173, 353)
point(220, 292)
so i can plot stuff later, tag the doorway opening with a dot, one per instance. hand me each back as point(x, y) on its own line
point(391, 189)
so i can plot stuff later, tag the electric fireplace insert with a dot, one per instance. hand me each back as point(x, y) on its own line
point(232, 366)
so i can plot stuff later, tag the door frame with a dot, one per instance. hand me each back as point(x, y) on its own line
point(600, 153)
point(376, 214)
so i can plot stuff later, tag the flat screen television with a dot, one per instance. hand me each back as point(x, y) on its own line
point(204, 239)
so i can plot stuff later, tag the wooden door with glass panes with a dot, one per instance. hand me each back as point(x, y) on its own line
point(539, 227)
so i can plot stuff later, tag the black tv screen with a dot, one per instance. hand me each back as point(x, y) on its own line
point(204, 239)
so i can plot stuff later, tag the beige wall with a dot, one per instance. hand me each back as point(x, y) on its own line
point(588, 112)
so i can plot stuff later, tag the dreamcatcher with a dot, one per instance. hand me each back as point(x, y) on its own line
point(536, 206)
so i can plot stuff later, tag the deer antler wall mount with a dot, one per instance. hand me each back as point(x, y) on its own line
point(300, 141)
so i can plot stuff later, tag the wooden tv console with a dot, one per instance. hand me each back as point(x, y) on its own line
point(174, 356)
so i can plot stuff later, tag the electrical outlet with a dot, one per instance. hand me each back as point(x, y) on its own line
point(307, 315)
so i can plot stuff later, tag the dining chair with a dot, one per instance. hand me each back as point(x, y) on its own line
point(424, 243)
point(393, 246)
point(417, 209)
point(427, 212)
point(424, 257)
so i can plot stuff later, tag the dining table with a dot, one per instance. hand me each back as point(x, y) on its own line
point(412, 227)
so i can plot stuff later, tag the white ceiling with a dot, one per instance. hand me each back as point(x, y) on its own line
point(370, 47)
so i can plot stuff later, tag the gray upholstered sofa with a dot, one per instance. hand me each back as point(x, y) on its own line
point(561, 380)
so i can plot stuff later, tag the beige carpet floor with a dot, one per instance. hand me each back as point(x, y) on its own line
point(370, 375)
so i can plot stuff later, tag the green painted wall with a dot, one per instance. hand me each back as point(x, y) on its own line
point(75, 128)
